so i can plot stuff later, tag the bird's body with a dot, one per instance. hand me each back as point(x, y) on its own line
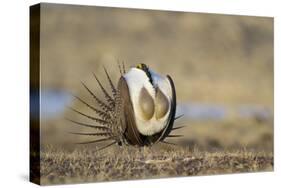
point(139, 111)
point(137, 81)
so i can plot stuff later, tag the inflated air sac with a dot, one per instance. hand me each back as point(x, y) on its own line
point(161, 104)
point(146, 104)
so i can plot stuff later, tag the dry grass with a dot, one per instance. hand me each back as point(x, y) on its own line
point(83, 165)
point(207, 148)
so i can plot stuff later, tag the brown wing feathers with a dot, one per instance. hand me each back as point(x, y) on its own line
point(131, 133)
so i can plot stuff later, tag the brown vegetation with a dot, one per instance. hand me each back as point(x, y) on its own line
point(82, 165)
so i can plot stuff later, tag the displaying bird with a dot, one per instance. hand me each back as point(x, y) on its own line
point(140, 111)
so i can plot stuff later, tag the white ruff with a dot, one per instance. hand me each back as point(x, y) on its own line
point(136, 79)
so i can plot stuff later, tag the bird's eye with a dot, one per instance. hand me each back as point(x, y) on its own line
point(146, 104)
point(161, 104)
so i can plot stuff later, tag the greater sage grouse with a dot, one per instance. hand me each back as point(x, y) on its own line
point(140, 111)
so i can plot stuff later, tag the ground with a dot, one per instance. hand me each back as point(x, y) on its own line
point(206, 148)
point(84, 165)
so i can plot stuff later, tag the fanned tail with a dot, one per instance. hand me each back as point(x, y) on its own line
point(102, 128)
point(104, 106)
point(91, 134)
point(169, 143)
point(106, 146)
point(120, 69)
point(107, 96)
point(113, 89)
point(106, 115)
point(100, 121)
point(176, 128)
point(123, 67)
point(174, 135)
point(102, 114)
point(178, 117)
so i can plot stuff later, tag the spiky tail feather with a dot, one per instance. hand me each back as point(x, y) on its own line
point(107, 117)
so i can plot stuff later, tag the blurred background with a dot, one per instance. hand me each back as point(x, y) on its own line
point(222, 66)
